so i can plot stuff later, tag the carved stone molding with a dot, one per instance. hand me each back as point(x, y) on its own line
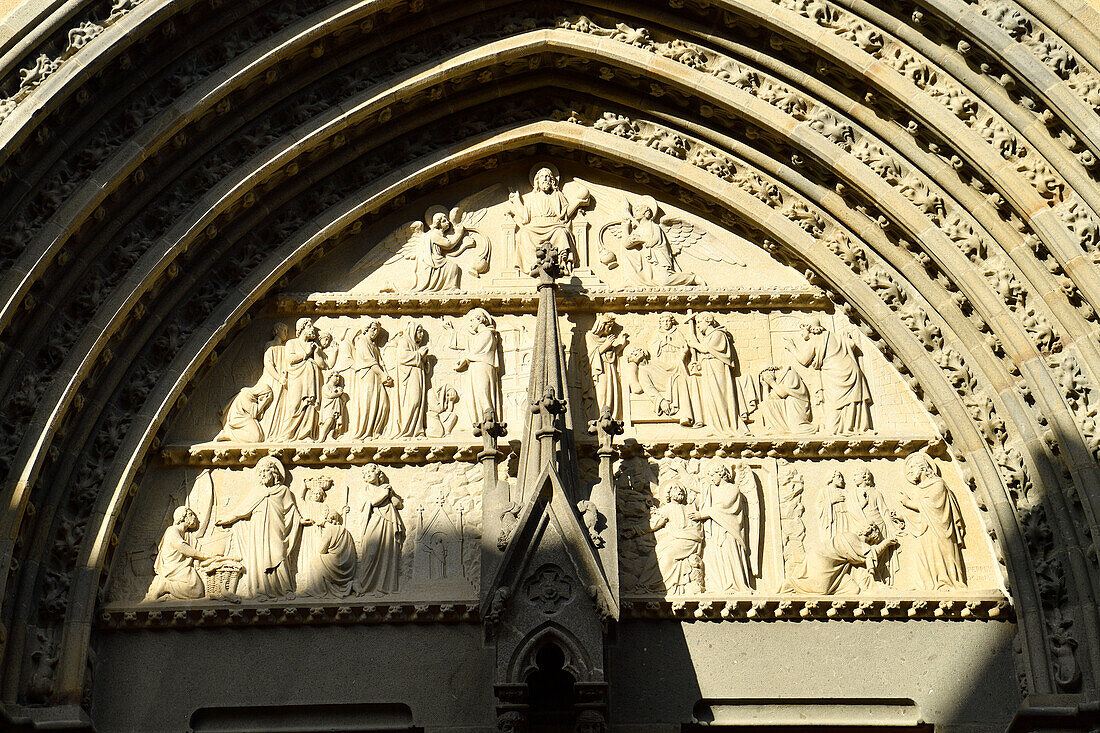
point(988, 607)
point(408, 452)
point(756, 608)
point(204, 615)
point(573, 300)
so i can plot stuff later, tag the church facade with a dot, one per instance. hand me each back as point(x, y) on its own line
point(494, 366)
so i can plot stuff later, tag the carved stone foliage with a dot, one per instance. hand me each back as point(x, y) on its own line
point(725, 527)
point(269, 534)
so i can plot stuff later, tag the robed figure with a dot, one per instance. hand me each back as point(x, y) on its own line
point(477, 337)
point(326, 553)
point(378, 532)
point(274, 379)
point(934, 522)
point(785, 401)
point(265, 524)
point(304, 379)
point(412, 384)
point(366, 381)
point(847, 397)
point(175, 573)
point(724, 514)
point(605, 343)
point(719, 396)
point(544, 216)
point(241, 422)
point(679, 544)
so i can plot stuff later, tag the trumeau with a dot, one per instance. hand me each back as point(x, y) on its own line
point(820, 344)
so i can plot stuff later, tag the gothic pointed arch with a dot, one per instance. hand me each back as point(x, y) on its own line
point(916, 180)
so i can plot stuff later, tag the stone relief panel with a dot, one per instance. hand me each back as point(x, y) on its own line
point(723, 527)
point(769, 451)
point(272, 534)
point(606, 238)
point(674, 376)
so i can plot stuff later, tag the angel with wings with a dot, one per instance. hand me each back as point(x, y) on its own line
point(436, 243)
point(729, 510)
point(652, 244)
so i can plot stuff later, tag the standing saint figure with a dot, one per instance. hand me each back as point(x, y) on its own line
point(832, 514)
point(785, 401)
point(679, 544)
point(845, 394)
point(935, 523)
point(265, 523)
point(671, 357)
point(543, 216)
point(482, 361)
point(304, 359)
point(366, 380)
point(274, 378)
point(718, 388)
point(241, 421)
point(378, 532)
point(866, 505)
point(605, 344)
point(176, 576)
point(412, 381)
point(326, 553)
point(724, 515)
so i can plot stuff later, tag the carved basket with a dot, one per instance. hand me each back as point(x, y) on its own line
point(222, 582)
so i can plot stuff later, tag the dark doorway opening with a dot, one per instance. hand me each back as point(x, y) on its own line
point(550, 693)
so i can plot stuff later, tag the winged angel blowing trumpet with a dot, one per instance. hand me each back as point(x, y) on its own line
point(435, 244)
point(652, 245)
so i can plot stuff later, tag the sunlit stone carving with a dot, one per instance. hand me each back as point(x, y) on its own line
point(934, 529)
point(543, 216)
point(844, 393)
point(177, 576)
point(265, 523)
point(378, 530)
point(436, 243)
point(652, 245)
point(326, 554)
point(477, 337)
point(605, 343)
point(749, 465)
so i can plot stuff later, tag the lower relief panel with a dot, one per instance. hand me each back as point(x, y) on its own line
point(270, 534)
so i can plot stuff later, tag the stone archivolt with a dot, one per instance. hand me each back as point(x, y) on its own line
point(139, 239)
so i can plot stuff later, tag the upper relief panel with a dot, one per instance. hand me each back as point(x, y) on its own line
point(484, 240)
point(672, 323)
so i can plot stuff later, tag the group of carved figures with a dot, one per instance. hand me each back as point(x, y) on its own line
point(543, 217)
point(865, 540)
point(314, 388)
point(705, 536)
point(689, 371)
point(269, 542)
point(359, 387)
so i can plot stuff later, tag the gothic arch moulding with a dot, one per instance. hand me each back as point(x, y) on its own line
point(178, 176)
